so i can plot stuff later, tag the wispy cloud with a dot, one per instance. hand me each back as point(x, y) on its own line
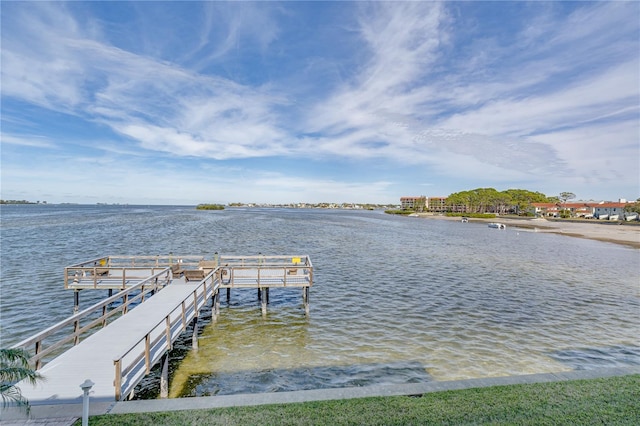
point(36, 141)
point(160, 105)
point(464, 90)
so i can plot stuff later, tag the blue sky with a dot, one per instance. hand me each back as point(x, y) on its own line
point(192, 102)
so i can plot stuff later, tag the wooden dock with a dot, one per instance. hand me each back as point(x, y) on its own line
point(116, 345)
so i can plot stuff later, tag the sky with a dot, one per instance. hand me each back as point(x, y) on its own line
point(285, 102)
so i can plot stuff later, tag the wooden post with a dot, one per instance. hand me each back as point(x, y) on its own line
point(168, 332)
point(228, 294)
point(38, 349)
point(264, 299)
point(76, 300)
point(76, 337)
point(118, 380)
point(184, 317)
point(164, 377)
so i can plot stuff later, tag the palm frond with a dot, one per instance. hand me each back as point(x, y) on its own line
point(14, 367)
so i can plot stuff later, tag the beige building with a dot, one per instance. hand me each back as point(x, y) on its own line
point(413, 203)
point(438, 204)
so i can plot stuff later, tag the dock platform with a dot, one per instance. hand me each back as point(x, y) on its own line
point(116, 345)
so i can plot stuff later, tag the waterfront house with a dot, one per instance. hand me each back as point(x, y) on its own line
point(602, 210)
point(610, 211)
point(544, 209)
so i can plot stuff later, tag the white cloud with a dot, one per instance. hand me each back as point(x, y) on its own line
point(160, 105)
point(35, 141)
point(228, 29)
point(419, 90)
point(580, 102)
point(599, 152)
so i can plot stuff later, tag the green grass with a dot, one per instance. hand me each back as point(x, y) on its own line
point(610, 401)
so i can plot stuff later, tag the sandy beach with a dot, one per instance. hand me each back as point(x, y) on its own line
point(613, 232)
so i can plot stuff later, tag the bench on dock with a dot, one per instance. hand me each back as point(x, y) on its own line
point(193, 274)
point(204, 268)
point(208, 265)
point(177, 270)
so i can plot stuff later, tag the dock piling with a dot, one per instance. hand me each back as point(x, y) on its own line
point(305, 299)
point(264, 297)
point(194, 335)
point(164, 377)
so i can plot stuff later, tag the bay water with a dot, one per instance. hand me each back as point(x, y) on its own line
point(394, 300)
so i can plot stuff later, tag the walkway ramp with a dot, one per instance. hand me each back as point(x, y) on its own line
point(94, 357)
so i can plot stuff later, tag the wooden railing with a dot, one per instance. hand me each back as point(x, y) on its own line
point(114, 261)
point(267, 271)
point(98, 315)
point(136, 362)
point(118, 271)
point(261, 260)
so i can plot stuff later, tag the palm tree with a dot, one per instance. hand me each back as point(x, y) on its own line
point(14, 367)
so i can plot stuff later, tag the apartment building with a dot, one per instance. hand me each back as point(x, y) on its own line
point(413, 203)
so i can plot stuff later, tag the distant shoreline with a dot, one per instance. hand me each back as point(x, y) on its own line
point(628, 235)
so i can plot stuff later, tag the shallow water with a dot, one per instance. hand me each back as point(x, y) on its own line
point(395, 299)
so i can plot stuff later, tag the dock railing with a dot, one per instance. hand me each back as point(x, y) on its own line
point(122, 271)
point(267, 271)
point(71, 331)
point(133, 364)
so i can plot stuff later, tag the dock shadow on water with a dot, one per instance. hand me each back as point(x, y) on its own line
point(304, 378)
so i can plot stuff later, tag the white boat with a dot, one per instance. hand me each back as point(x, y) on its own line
point(497, 225)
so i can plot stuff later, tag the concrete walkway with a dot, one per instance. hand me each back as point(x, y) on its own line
point(65, 414)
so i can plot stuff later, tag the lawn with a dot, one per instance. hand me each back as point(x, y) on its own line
point(610, 401)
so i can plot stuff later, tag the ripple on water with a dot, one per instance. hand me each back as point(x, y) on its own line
point(395, 300)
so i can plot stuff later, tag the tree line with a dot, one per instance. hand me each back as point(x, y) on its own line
point(489, 200)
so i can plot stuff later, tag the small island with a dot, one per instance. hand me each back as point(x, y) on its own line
point(209, 207)
point(21, 202)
